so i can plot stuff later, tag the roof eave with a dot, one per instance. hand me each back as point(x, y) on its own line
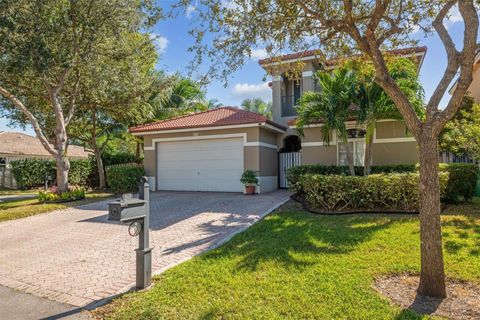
point(268, 124)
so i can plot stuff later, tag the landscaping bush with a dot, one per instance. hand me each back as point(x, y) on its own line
point(393, 191)
point(124, 178)
point(81, 171)
point(118, 158)
point(462, 181)
point(294, 173)
point(29, 173)
point(397, 168)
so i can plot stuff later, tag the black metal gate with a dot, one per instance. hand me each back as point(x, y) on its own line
point(286, 160)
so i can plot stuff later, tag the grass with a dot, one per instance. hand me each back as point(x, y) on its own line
point(7, 192)
point(297, 265)
point(16, 209)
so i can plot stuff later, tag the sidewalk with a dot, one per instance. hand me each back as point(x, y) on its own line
point(23, 306)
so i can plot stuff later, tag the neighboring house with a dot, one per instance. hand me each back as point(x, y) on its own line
point(208, 151)
point(474, 89)
point(16, 145)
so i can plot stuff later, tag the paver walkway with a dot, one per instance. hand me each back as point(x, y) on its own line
point(76, 256)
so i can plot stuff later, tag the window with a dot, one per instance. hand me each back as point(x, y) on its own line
point(292, 91)
point(358, 150)
point(3, 162)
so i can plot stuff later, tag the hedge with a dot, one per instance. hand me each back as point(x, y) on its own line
point(125, 178)
point(390, 191)
point(294, 173)
point(30, 173)
point(118, 158)
point(461, 183)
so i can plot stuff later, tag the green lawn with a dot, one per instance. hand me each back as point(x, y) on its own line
point(299, 265)
point(7, 192)
point(16, 209)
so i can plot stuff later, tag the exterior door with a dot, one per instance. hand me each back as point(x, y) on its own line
point(287, 160)
point(200, 165)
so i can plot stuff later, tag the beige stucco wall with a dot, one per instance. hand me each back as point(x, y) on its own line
point(319, 155)
point(384, 153)
point(261, 159)
point(391, 129)
point(474, 88)
point(395, 153)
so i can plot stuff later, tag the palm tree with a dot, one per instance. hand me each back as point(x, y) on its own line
point(177, 96)
point(258, 106)
point(332, 105)
point(213, 104)
point(374, 104)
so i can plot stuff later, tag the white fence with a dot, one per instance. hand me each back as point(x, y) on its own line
point(449, 157)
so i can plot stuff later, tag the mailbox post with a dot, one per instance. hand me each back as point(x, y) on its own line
point(144, 252)
point(136, 212)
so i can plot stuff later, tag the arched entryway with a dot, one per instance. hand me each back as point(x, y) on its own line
point(289, 156)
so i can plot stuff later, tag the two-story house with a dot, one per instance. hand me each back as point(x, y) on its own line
point(209, 151)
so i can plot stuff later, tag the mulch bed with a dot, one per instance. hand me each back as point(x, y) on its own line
point(462, 302)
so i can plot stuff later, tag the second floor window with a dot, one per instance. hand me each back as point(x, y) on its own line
point(291, 93)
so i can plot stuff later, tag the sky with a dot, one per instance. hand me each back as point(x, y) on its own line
point(172, 42)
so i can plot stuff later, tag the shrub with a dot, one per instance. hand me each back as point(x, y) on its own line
point(124, 178)
point(81, 170)
point(118, 158)
point(462, 181)
point(29, 173)
point(294, 173)
point(397, 168)
point(249, 178)
point(73, 193)
point(394, 191)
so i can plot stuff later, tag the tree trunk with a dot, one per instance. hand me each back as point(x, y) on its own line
point(63, 165)
point(100, 169)
point(432, 275)
point(368, 148)
point(351, 165)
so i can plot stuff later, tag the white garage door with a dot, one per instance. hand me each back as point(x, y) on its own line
point(200, 165)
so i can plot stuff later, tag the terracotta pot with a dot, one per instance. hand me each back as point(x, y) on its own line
point(250, 189)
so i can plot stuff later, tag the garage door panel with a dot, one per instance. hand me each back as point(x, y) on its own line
point(200, 165)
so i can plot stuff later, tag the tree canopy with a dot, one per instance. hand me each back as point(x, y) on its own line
point(46, 49)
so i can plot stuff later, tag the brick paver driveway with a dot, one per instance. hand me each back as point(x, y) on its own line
point(76, 256)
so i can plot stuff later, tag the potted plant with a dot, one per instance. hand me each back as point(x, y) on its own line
point(250, 181)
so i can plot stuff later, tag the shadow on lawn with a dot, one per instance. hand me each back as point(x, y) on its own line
point(465, 230)
point(290, 238)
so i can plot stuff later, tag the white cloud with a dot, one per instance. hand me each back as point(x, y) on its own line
point(189, 11)
point(258, 54)
point(251, 91)
point(161, 42)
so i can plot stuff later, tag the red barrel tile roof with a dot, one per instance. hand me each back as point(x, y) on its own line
point(224, 116)
point(313, 53)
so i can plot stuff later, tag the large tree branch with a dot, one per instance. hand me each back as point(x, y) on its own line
point(452, 57)
point(33, 121)
point(466, 61)
point(370, 46)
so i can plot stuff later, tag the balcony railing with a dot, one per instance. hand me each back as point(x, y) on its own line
point(288, 106)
